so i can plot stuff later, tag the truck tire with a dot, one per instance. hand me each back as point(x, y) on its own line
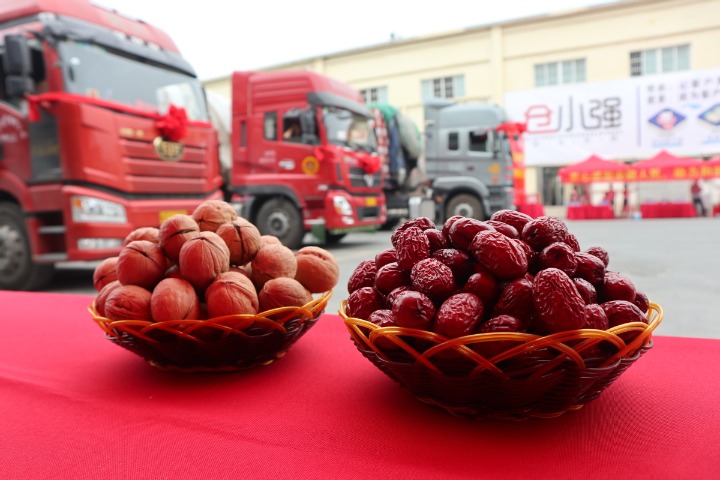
point(280, 218)
point(17, 269)
point(465, 205)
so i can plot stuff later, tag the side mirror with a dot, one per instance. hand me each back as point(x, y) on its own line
point(16, 86)
point(17, 56)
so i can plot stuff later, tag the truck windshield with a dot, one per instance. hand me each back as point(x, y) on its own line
point(349, 129)
point(94, 71)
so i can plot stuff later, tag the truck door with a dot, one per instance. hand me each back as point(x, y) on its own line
point(297, 141)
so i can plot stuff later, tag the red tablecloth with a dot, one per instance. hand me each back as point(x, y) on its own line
point(533, 209)
point(667, 210)
point(75, 406)
point(589, 212)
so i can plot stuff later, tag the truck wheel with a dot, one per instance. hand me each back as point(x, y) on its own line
point(17, 269)
point(280, 218)
point(465, 205)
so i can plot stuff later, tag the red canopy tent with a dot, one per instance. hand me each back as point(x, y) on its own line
point(594, 169)
point(665, 166)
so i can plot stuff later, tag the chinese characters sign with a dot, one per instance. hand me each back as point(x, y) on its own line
point(627, 119)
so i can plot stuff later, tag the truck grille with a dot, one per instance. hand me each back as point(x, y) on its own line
point(358, 178)
point(365, 213)
point(145, 171)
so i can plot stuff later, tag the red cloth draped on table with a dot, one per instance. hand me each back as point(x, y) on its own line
point(171, 126)
point(75, 406)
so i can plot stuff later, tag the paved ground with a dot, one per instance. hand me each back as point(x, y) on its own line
point(676, 262)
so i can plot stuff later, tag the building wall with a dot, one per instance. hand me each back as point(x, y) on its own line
point(500, 58)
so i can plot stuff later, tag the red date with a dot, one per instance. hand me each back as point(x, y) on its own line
point(558, 255)
point(413, 309)
point(362, 302)
point(617, 286)
point(621, 311)
point(558, 305)
point(459, 262)
point(412, 245)
point(459, 315)
point(483, 285)
point(516, 300)
point(590, 268)
point(500, 255)
point(464, 230)
point(542, 231)
point(516, 219)
point(389, 277)
point(362, 276)
point(385, 257)
point(433, 278)
point(436, 238)
point(595, 317)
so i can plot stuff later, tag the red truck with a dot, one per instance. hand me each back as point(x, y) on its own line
point(103, 128)
point(303, 157)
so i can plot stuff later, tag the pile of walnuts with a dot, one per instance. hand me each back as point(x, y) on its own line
point(511, 273)
point(206, 265)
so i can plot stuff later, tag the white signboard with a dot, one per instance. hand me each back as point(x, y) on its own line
point(624, 119)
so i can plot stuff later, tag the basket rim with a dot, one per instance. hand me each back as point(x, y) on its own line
point(274, 320)
point(526, 341)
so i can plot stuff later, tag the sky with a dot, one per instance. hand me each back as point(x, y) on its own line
point(243, 35)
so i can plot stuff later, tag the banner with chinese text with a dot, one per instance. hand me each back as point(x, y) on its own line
point(629, 119)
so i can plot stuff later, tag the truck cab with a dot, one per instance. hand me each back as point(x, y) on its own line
point(86, 96)
point(304, 157)
point(468, 161)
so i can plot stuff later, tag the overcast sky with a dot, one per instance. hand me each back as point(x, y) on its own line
point(220, 36)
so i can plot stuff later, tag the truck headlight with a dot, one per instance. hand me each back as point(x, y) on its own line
point(342, 205)
point(89, 209)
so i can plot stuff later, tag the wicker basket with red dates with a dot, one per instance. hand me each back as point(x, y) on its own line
point(506, 318)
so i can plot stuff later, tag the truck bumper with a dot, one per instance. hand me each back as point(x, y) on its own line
point(88, 239)
point(345, 212)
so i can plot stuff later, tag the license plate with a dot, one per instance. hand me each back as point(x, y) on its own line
point(165, 214)
point(371, 202)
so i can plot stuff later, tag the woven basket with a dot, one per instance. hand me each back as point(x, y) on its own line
point(221, 344)
point(515, 376)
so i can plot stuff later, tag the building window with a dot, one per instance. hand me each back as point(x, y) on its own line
point(374, 95)
point(444, 87)
point(659, 60)
point(556, 73)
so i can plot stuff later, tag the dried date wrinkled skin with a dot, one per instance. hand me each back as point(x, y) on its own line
point(436, 238)
point(389, 277)
point(558, 255)
point(590, 268)
point(413, 309)
point(542, 231)
point(572, 242)
point(586, 289)
point(558, 304)
point(516, 219)
point(499, 254)
point(362, 276)
point(459, 315)
point(483, 285)
point(386, 256)
point(463, 232)
point(362, 302)
point(504, 228)
point(448, 225)
point(622, 311)
point(433, 278)
point(641, 301)
point(600, 253)
point(516, 300)
point(595, 317)
point(423, 223)
point(498, 324)
point(617, 286)
point(390, 297)
point(459, 262)
point(412, 245)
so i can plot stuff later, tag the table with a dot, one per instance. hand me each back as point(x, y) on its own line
point(667, 210)
point(73, 405)
point(533, 209)
point(589, 212)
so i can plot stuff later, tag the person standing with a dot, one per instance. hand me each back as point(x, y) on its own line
point(696, 192)
point(626, 201)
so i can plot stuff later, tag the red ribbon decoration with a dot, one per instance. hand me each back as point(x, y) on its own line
point(370, 163)
point(172, 126)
